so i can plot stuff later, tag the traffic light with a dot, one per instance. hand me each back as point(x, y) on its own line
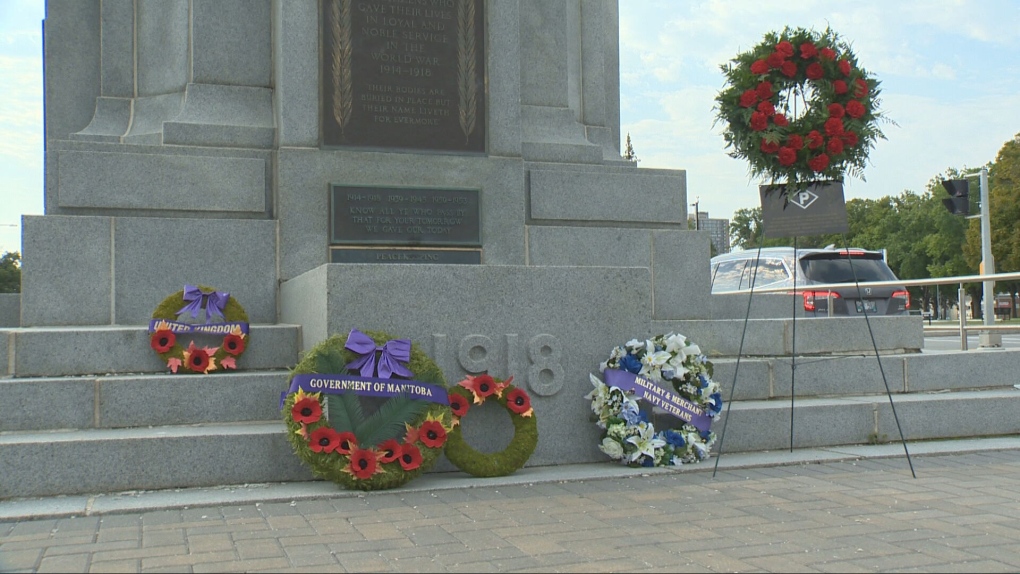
point(958, 202)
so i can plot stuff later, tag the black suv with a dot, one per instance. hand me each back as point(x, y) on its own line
point(734, 272)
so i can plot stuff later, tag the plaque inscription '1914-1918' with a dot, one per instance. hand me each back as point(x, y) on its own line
point(403, 74)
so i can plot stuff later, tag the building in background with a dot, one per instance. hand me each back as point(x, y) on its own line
point(719, 230)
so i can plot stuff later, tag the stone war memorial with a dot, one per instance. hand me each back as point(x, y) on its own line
point(443, 171)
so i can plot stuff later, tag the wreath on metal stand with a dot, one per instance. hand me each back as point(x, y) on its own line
point(800, 108)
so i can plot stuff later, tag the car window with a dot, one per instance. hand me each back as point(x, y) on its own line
point(726, 275)
point(738, 274)
point(770, 271)
point(839, 270)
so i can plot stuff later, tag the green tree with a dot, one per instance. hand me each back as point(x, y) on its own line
point(10, 272)
point(628, 151)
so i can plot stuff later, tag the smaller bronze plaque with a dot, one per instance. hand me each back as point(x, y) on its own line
point(408, 217)
point(435, 256)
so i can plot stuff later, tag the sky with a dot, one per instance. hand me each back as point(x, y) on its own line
point(949, 72)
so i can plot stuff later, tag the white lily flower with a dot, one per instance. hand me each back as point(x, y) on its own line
point(645, 443)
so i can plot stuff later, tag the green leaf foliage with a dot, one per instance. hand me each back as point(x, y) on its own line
point(10, 272)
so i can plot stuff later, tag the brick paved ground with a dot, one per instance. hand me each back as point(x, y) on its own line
point(961, 514)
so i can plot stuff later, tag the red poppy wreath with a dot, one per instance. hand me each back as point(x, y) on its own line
point(224, 317)
point(368, 412)
point(475, 391)
point(799, 108)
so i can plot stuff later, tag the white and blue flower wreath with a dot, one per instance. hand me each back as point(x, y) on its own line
point(668, 372)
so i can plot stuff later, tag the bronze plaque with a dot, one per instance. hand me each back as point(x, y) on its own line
point(393, 255)
point(404, 216)
point(404, 74)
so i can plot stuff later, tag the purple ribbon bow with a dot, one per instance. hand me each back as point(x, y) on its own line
point(394, 351)
point(215, 301)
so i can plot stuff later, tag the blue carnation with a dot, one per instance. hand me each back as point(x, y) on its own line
point(705, 435)
point(631, 364)
point(647, 461)
point(704, 380)
point(674, 439)
point(668, 374)
point(717, 399)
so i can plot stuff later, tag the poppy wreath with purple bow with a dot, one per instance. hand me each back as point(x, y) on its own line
point(225, 321)
point(357, 438)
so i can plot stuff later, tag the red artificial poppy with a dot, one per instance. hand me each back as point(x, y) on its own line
point(324, 439)
point(410, 457)
point(389, 451)
point(808, 50)
point(163, 340)
point(348, 443)
point(855, 109)
point(814, 71)
point(233, 344)
point(306, 411)
point(364, 463)
point(518, 401)
point(840, 87)
point(459, 405)
point(197, 359)
point(780, 120)
point(432, 434)
point(819, 163)
point(483, 386)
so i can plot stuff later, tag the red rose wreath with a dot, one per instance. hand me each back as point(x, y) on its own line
point(799, 108)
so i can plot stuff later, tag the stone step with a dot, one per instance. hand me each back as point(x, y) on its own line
point(50, 403)
point(839, 375)
point(111, 460)
point(834, 421)
point(789, 336)
point(45, 463)
point(75, 351)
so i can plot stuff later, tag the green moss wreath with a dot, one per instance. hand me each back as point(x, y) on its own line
point(517, 404)
point(195, 359)
point(358, 451)
point(799, 108)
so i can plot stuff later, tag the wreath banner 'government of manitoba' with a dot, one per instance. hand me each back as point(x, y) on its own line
point(674, 405)
point(367, 386)
point(403, 74)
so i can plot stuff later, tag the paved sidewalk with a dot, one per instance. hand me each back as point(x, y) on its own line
point(855, 509)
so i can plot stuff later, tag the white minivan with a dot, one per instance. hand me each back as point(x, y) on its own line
point(735, 271)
